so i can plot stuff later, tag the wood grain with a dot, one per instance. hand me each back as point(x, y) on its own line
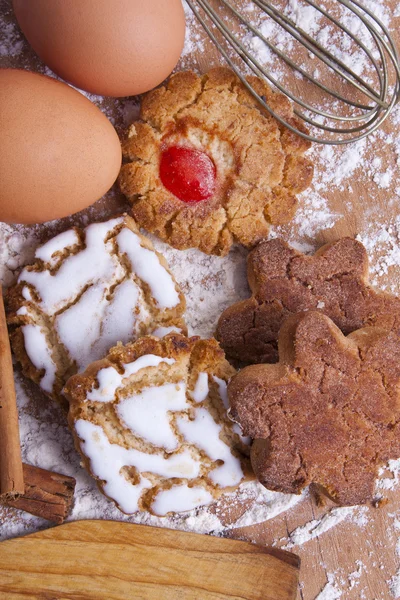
point(104, 560)
point(47, 494)
point(370, 550)
point(360, 560)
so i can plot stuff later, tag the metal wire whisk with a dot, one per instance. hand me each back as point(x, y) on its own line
point(361, 115)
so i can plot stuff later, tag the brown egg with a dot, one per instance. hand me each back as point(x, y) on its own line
point(58, 152)
point(110, 47)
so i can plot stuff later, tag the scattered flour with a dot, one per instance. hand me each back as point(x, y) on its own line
point(382, 241)
point(211, 284)
point(194, 39)
point(330, 591)
point(317, 527)
point(340, 166)
point(394, 585)
point(354, 577)
point(17, 247)
point(265, 504)
point(389, 483)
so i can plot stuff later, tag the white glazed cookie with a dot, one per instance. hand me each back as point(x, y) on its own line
point(88, 290)
point(151, 425)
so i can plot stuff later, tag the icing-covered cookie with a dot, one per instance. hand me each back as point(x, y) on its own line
point(284, 282)
point(328, 413)
point(151, 424)
point(205, 166)
point(88, 290)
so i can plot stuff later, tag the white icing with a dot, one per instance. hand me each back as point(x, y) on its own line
point(106, 461)
point(121, 317)
point(146, 414)
point(90, 327)
point(39, 353)
point(92, 299)
point(146, 265)
point(79, 327)
point(223, 392)
point(110, 380)
point(180, 498)
point(22, 311)
point(61, 242)
point(160, 332)
point(201, 389)
point(204, 432)
point(92, 265)
point(246, 439)
point(26, 293)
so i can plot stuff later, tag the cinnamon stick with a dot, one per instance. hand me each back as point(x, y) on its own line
point(37, 491)
point(11, 472)
point(48, 495)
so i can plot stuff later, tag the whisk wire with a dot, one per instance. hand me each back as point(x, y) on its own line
point(294, 66)
point(354, 38)
point(380, 41)
point(257, 68)
point(371, 117)
point(392, 51)
point(313, 46)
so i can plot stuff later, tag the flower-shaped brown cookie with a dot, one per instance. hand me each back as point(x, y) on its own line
point(206, 166)
point(327, 414)
point(284, 282)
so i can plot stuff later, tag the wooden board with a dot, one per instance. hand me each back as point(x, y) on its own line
point(360, 560)
point(104, 560)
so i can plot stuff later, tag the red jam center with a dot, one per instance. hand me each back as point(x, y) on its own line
point(187, 173)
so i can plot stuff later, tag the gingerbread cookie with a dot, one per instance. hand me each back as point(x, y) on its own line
point(327, 414)
point(284, 281)
point(88, 290)
point(205, 166)
point(150, 422)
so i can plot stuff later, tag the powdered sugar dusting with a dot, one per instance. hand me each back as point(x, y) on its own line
point(357, 174)
point(394, 585)
point(389, 483)
point(331, 591)
point(317, 527)
point(194, 40)
point(17, 247)
point(382, 241)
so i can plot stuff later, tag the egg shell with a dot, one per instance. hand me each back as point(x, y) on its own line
point(110, 47)
point(58, 152)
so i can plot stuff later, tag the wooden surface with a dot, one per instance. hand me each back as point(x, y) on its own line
point(104, 560)
point(359, 559)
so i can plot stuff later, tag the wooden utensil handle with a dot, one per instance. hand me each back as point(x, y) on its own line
point(99, 560)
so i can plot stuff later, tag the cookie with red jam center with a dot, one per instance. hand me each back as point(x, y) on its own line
point(205, 166)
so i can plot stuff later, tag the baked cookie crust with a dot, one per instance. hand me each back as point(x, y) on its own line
point(327, 414)
point(284, 281)
point(260, 165)
point(87, 290)
point(150, 422)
